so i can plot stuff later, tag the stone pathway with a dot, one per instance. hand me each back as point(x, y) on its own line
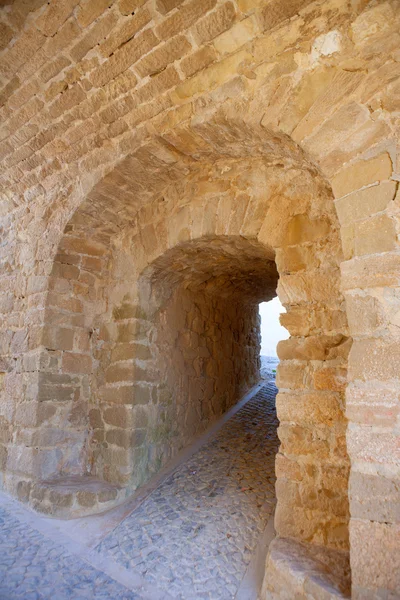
point(192, 538)
point(33, 567)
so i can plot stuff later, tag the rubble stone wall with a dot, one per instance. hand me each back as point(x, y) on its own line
point(106, 107)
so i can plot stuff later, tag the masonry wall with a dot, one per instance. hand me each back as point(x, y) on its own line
point(198, 357)
point(108, 103)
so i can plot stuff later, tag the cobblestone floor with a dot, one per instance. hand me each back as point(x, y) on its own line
point(33, 567)
point(193, 537)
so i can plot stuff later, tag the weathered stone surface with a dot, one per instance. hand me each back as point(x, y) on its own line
point(130, 130)
point(361, 174)
point(373, 573)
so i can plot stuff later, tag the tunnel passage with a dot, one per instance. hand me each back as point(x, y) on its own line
point(194, 352)
point(111, 407)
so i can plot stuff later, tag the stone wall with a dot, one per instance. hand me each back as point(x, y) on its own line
point(105, 106)
point(179, 359)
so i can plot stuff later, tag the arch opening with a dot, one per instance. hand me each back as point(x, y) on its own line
point(193, 353)
point(140, 270)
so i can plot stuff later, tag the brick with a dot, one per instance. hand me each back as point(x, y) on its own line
point(96, 35)
point(125, 33)
point(249, 5)
point(117, 109)
point(337, 129)
point(291, 376)
point(162, 56)
point(315, 347)
point(91, 10)
point(361, 174)
point(124, 58)
point(54, 16)
point(363, 314)
point(184, 18)
point(214, 23)
point(316, 284)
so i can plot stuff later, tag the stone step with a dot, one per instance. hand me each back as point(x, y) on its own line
point(69, 497)
point(304, 571)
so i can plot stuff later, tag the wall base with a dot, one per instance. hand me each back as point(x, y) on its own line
point(295, 571)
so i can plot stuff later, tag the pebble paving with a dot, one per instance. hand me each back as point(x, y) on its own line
point(193, 537)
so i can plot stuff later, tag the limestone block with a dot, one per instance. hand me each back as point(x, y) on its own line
point(95, 36)
point(375, 235)
point(361, 174)
point(91, 10)
point(214, 23)
point(371, 271)
point(375, 447)
point(213, 76)
point(373, 403)
point(76, 363)
point(374, 358)
point(127, 7)
point(374, 558)
point(237, 35)
point(164, 6)
point(374, 497)
point(125, 32)
point(123, 58)
point(307, 407)
point(198, 60)
point(276, 12)
point(364, 203)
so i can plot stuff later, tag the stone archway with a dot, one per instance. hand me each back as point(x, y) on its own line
point(271, 211)
point(180, 353)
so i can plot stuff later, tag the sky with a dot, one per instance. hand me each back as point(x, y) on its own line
point(271, 330)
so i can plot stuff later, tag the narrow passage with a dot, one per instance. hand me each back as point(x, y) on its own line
point(192, 538)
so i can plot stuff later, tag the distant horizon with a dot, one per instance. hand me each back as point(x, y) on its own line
point(272, 331)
